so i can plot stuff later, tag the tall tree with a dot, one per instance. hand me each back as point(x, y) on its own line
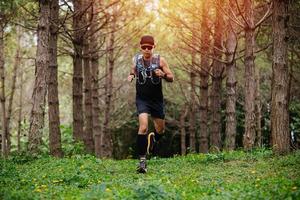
point(40, 89)
point(106, 140)
point(53, 101)
point(77, 87)
point(183, 115)
point(217, 70)
point(192, 107)
point(7, 12)
point(192, 112)
point(249, 28)
point(231, 45)
point(95, 43)
point(88, 119)
point(258, 109)
point(2, 86)
point(203, 137)
point(19, 131)
point(279, 106)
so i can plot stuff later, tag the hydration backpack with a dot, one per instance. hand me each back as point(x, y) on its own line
point(144, 73)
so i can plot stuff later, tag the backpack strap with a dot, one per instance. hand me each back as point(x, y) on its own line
point(155, 61)
point(138, 59)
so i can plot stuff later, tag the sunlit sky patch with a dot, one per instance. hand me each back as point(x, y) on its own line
point(152, 5)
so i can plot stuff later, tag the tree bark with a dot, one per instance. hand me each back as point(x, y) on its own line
point(77, 71)
point(258, 110)
point(215, 94)
point(231, 44)
point(2, 92)
point(203, 135)
point(95, 83)
point(106, 138)
point(192, 116)
point(20, 112)
point(53, 101)
point(183, 115)
point(249, 135)
point(279, 107)
point(40, 89)
point(88, 132)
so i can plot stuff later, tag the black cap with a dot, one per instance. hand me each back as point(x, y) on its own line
point(147, 39)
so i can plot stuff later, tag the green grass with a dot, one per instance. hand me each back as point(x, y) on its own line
point(236, 175)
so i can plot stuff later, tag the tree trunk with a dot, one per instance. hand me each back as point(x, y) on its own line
point(77, 71)
point(215, 94)
point(183, 115)
point(279, 107)
point(192, 116)
point(53, 101)
point(203, 135)
point(94, 42)
point(2, 92)
point(40, 89)
point(20, 113)
point(13, 88)
point(106, 140)
point(231, 44)
point(249, 135)
point(88, 119)
point(258, 110)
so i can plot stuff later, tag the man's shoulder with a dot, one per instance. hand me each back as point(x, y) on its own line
point(156, 56)
point(137, 56)
point(162, 59)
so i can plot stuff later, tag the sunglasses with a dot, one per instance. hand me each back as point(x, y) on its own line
point(147, 47)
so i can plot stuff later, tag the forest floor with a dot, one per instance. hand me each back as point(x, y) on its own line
point(236, 175)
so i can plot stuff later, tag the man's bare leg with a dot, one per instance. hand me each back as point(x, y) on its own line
point(142, 142)
point(143, 123)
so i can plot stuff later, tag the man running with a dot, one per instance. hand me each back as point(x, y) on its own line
point(149, 69)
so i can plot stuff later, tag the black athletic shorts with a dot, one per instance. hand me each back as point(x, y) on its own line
point(153, 107)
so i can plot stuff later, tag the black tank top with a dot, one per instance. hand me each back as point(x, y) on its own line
point(148, 85)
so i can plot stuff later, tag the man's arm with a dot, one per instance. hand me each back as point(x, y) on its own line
point(165, 71)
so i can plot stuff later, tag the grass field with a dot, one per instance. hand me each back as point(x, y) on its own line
point(236, 175)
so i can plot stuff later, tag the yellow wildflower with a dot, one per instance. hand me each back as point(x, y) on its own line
point(294, 188)
point(38, 190)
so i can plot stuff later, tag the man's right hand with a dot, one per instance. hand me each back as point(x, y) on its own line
point(130, 77)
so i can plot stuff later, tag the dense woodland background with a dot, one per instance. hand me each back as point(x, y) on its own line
point(64, 67)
